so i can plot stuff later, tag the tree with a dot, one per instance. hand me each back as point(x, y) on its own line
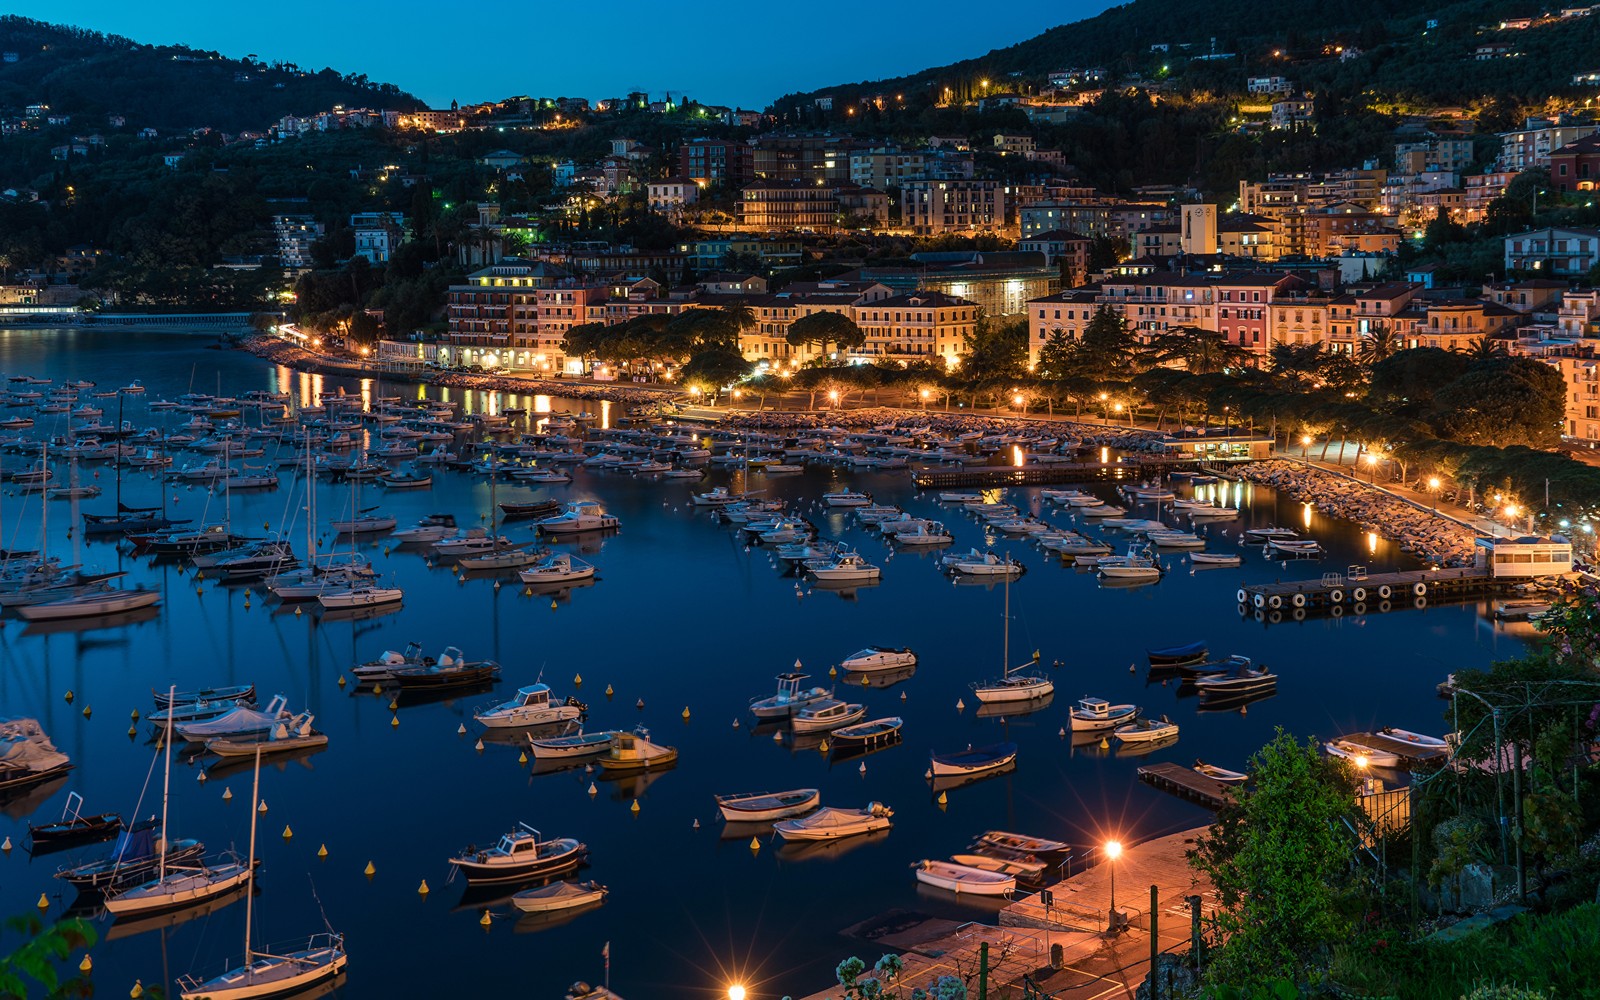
point(1055, 357)
point(36, 958)
point(713, 368)
point(996, 350)
point(1107, 348)
point(1380, 343)
point(1200, 352)
point(1279, 856)
point(824, 328)
point(1504, 401)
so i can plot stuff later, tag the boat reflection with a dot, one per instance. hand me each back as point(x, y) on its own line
point(137, 616)
point(878, 678)
point(162, 921)
point(827, 850)
point(1003, 709)
point(533, 923)
point(1142, 749)
point(21, 803)
point(224, 766)
point(950, 782)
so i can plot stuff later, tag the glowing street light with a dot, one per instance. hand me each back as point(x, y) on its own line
point(1305, 448)
point(1113, 851)
point(1433, 482)
point(736, 992)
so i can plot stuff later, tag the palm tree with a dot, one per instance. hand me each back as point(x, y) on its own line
point(1380, 343)
point(1483, 348)
point(1201, 352)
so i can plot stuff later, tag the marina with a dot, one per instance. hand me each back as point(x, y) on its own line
point(409, 754)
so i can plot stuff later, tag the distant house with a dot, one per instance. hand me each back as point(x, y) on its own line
point(147, 133)
point(378, 234)
point(1555, 250)
point(172, 160)
point(1494, 50)
point(1292, 111)
point(69, 149)
point(501, 159)
point(1269, 85)
point(116, 121)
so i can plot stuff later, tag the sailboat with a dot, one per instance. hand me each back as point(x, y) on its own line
point(335, 571)
point(1012, 686)
point(263, 974)
point(174, 887)
point(126, 518)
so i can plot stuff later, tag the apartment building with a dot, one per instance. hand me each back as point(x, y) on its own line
point(1531, 145)
point(294, 235)
point(917, 326)
point(929, 208)
point(378, 234)
point(1576, 166)
point(1570, 252)
point(883, 169)
point(1094, 217)
point(725, 164)
point(782, 206)
point(1582, 377)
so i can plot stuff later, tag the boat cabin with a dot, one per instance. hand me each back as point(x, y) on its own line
point(1528, 556)
point(1098, 707)
point(533, 696)
point(519, 842)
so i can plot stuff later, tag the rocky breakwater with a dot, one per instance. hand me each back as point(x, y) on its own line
point(1423, 533)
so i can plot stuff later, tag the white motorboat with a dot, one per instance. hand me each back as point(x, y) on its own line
point(986, 564)
point(558, 568)
point(1147, 730)
point(1266, 533)
point(532, 706)
point(366, 522)
point(830, 713)
point(559, 896)
point(467, 542)
point(961, 879)
point(1018, 843)
point(718, 496)
point(846, 566)
point(768, 806)
point(829, 823)
point(1176, 540)
point(1022, 869)
point(570, 746)
point(504, 556)
point(295, 734)
point(581, 515)
point(90, 605)
point(361, 596)
point(1303, 547)
point(1106, 510)
point(924, 533)
point(1131, 568)
point(240, 720)
point(1207, 512)
point(878, 658)
point(385, 665)
point(1418, 740)
point(789, 699)
point(1094, 714)
point(521, 854)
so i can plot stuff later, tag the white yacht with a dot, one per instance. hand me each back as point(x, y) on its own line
point(532, 706)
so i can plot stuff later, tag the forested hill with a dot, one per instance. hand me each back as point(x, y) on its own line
point(1402, 58)
point(85, 73)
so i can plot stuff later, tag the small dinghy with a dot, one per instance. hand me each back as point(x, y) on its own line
point(574, 745)
point(1216, 559)
point(1147, 731)
point(296, 734)
point(829, 823)
point(961, 879)
point(1415, 739)
point(868, 733)
point(768, 806)
point(972, 760)
point(73, 828)
point(520, 854)
point(559, 896)
point(878, 658)
point(1240, 678)
point(134, 858)
point(634, 752)
point(1023, 868)
point(1361, 756)
point(1216, 773)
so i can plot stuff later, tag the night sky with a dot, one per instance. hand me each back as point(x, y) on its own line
point(718, 52)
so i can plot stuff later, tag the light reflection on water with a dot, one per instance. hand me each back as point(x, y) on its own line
point(682, 616)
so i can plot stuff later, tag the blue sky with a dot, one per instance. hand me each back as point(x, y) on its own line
point(718, 52)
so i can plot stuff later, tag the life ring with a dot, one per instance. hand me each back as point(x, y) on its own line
point(1383, 607)
point(1384, 593)
point(1299, 614)
point(1261, 600)
point(1275, 617)
point(1359, 594)
point(1337, 611)
point(1419, 603)
point(1275, 602)
point(1298, 600)
point(1360, 608)
point(1419, 588)
point(1243, 597)
point(1336, 596)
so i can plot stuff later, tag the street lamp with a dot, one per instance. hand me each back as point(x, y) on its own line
point(736, 992)
point(1113, 851)
point(1305, 448)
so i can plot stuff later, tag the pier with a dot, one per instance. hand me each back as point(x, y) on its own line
point(1408, 752)
point(1046, 475)
point(1186, 783)
point(1357, 591)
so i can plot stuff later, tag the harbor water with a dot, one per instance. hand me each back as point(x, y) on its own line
point(683, 627)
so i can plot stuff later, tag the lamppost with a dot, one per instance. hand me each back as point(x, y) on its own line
point(1372, 467)
point(1113, 850)
point(1305, 449)
point(736, 992)
point(924, 394)
point(1018, 401)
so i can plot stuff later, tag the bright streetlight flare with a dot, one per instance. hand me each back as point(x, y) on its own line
point(1113, 849)
point(736, 992)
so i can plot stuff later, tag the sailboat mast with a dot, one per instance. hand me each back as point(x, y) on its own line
point(166, 781)
point(250, 876)
point(1005, 631)
point(120, 454)
point(44, 513)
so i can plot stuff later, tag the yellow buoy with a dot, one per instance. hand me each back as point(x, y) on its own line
point(227, 795)
point(527, 591)
point(943, 799)
point(298, 611)
point(635, 807)
point(394, 721)
point(370, 870)
point(86, 966)
point(961, 706)
point(479, 746)
point(833, 672)
point(6, 846)
point(69, 697)
point(755, 844)
point(577, 680)
point(823, 746)
point(287, 833)
point(609, 692)
point(322, 851)
point(461, 729)
point(593, 790)
point(483, 921)
point(686, 711)
point(44, 901)
point(135, 715)
point(552, 604)
point(137, 991)
point(341, 680)
point(394, 706)
point(422, 890)
point(133, 731)
point(88, 710)
point(377, 689)
point(261, 807)
point(1104, 743)
point(522, 758)
point(865, 680)
point(1036, 655)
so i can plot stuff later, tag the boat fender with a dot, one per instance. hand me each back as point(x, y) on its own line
point(1275, 601)
point(1360, 608)
point(1384, 593)
point(1419, 588)
point(1383, 607)
point(1242, 596)
point(1337, 611)
point(1336, 596)
point(1275, 617)
point(1299, 600)
point(1299, 614)
point(1359, 594)
point(1420, 603)
point(1261, 600)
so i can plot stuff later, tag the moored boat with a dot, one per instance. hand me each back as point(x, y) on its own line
point(767, 806)
point(961, 879)
point(559, 896)
point(829, 823)
point(521, 854)
point(972, 760)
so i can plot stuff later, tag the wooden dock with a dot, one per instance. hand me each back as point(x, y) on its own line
point(1357, 593)
point(1083, 901)
point(1407, 751)
point(1186, 783)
